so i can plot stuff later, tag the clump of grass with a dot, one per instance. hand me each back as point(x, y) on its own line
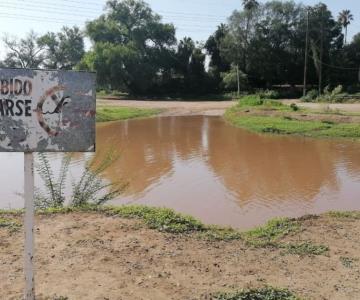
point(348, 262)
point(216, 233)
point(106, 114)
point(304, 249)
point(355, 215)
point(10, 224)
point(257, 101)
point(162, 219)
point(266, 293)
point(273, 231)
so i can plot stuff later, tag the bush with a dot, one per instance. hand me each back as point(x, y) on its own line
point(251, 100)
point(310, 96)
point(269, 94)
point(90, 189)
point(294, 107)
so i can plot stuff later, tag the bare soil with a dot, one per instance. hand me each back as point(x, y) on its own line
point(92, 256)
point(344, 107)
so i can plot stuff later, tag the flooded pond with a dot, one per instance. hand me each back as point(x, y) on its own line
point(220, 174)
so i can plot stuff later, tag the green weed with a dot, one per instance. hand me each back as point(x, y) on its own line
point(269, 234)
point(306, 248)
point(106, 114)
point(266, 293)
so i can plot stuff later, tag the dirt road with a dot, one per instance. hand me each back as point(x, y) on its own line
point(211, 108)
point(95, 257)
point(353, 107)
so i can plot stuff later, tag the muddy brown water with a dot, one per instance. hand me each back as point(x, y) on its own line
point(201, 166)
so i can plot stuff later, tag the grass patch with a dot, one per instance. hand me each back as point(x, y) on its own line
point(256, 102)
point(162, 219)
point(282, 125)
point(217, 233)
point(106, 114)
point(10, 224)
point(348, 262)
point(304, 249)
point(354, 215)
point(266, 293)
point(269, 234)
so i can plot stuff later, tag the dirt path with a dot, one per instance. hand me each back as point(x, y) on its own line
point(214, 108)
point(91, 256)
point(353, 107)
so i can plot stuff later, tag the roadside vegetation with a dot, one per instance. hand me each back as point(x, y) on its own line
point(270, 235)
point(269, 116)
point(266, 293)
point(106, 114)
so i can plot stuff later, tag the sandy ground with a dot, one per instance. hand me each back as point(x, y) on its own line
point(212, 108)
point(351, 107)
point(90, 256)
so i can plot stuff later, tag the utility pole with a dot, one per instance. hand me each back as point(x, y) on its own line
point(306, 52)
point(238, 80)
point(321, 51)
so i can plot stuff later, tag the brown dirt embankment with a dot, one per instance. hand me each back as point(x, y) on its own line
point(93, 256)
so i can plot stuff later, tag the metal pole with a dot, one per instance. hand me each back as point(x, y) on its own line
point(29, 225)
point(306, 53)
point(238, 80)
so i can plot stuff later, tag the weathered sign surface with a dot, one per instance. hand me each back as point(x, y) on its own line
point(47, 111)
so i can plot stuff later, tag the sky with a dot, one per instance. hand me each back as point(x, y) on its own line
point(193, 18)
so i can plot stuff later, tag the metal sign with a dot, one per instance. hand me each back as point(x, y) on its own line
point(42, 111)
point(52, 111)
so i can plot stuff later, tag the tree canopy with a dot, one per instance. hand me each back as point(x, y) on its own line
point(262, 45)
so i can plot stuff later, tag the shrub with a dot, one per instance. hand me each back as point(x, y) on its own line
point(294, 107)
point(310, 96)
point(266, 293)
point(90, 189)
point(269, 94)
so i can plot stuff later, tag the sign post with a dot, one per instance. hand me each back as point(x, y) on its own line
point(44, 111)
point(29, 225)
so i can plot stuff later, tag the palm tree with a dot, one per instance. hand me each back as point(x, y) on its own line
point(345, 17)
point(250, 4)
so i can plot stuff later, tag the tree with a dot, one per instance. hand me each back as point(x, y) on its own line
point(62, 50)
point(190, 65)
point(250, 4)
point(23, 53)
point(345, 17)
point(233, 79)
point(132, 47)
point(217, 63)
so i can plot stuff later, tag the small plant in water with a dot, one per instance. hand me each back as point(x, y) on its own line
point(89, 189)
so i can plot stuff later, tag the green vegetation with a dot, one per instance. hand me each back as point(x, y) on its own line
point(306, 248)
point(249, 52)
point(344, 214)
point(269, 234)
point(285, 121)
point(89, 189)
point(348, 262)
point(162, 219)
point(266, 293)
point(11, 224)
point(106, 114)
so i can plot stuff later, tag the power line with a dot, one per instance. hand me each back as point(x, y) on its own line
point(43, 5)
point(333, 66)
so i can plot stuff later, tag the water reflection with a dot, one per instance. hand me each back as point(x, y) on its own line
point(224, 175)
